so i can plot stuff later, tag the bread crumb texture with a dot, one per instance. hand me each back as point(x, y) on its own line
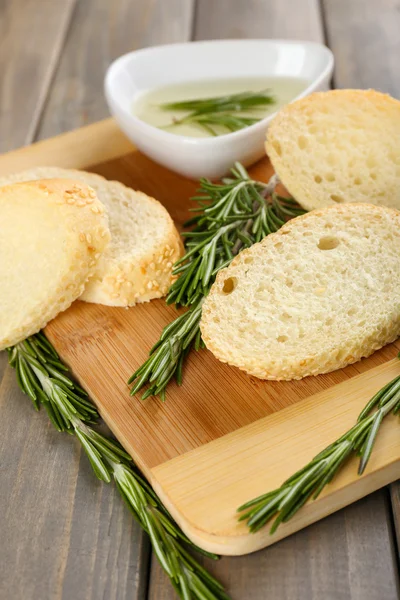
point(338, 146)
point(137, 265)
point(50, 242)
point(318, 295)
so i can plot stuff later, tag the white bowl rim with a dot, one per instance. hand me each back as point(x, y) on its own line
point(220, 139)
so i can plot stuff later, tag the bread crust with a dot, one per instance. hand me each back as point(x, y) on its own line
point(340, 145)
point(323, 359)
point(124, 280)
point(39, 280)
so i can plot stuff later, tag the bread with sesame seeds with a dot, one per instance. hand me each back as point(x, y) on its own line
point(52, 234)
point(316, 296)
point(137, 265)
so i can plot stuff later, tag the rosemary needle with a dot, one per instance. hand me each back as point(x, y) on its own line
point(233, 215)
point(232, 112)
point(309, 481)
point(43, 377)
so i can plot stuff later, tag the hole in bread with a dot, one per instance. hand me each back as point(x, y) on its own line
point(351, 311)
point(371, 162)
point(329, 321)
point(330, 177)
point(328, 243)
point(277, 147)
point(282, 338)
point(317, 178)
point(302, 142)
point(289, 282)
point(337, 198)
point(229, 285)
point(357, 181)
point(373, 176)
point(248, 260)
point(313, 129)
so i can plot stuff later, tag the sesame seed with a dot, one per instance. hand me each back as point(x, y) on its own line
point(149, 285)
point(152, 266)
point(82, 237)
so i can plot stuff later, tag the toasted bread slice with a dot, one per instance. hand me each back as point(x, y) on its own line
point(52, 234)
point(137, 265)
point(318, 295)
point(338, 146)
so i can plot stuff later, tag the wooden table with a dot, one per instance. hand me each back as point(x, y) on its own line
point(63, 534)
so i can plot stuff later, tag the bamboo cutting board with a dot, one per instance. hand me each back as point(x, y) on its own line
point(223, 437)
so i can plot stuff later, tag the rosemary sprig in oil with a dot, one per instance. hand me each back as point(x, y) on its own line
point(229, 217)
point(231, 113)
point(285, 501)
point(43, 377)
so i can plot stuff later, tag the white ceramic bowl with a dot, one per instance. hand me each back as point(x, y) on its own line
point(136, 72)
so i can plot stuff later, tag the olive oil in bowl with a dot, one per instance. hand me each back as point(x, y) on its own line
point(247, 100)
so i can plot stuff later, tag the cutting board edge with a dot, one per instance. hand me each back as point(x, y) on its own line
point(80, 148)
point(240, 542)
point(195, 485)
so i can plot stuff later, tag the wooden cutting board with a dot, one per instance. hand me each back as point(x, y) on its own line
point(223, 437)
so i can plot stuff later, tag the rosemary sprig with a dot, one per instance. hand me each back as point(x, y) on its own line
point(42, 376)
point(225, 112)
point(229, 217)
point(285, 501)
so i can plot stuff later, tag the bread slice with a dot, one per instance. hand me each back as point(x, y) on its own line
point(137, 265)
point(52, 234)
point(318, 295)
point(338, 146)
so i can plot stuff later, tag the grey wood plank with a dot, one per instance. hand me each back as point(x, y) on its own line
point(102, 31)
point(335, 558)
point(64, 534)
point(258, 19)
point(395, 499)
point(32, 33)
point(331, 559)
point(364, 36)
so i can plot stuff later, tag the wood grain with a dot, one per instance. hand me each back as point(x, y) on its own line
point(32, 34)
point(63, 532)
point(100, 32)
point(333, 559)
point(203, 488)
point(258, 19)
point(100, 345)
point(363, 35)
point(87, 545)
point(395, 499)
point(301, 571)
